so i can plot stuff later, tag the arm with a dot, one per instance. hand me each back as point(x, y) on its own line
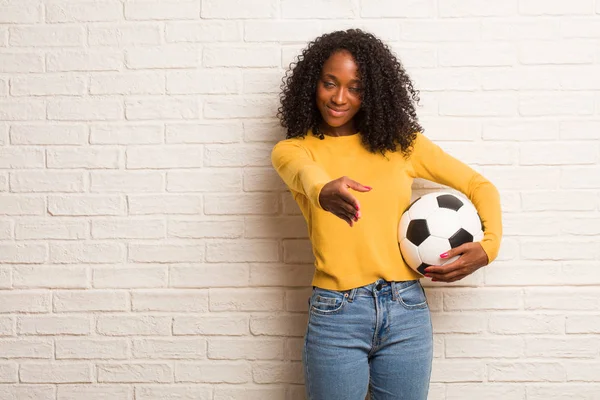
point(432, 163)
point(299, 171)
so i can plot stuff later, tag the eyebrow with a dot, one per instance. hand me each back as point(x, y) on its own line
point(335, 78)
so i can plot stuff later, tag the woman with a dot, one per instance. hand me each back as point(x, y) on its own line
point(353, 148)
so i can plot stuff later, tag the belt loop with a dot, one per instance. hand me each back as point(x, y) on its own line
point(394, 293)
point(351, 295)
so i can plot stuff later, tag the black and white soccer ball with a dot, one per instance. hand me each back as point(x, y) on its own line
point(434, 224)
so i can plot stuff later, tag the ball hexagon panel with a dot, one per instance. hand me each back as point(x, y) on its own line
point(460, 237)
point(421, 208)
point(431, 248)
point(443, 222)
point(469, 220)
point(410, 253)
point(417, 231)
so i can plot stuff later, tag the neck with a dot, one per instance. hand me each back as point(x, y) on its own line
point(344, 130)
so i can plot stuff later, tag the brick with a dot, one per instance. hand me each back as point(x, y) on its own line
point(539, 7)
point(8, 373)
point(476, 8)
point(230, 229)
point(285, 31)
point(298, 251)
point(489, 347)
point(65, 301)
point(459, 322)
point(259, 131)
point(288, 325)
point(241, 204)
point(526, 372)
point(170, 300)
point(213, 372)
point(225, 392)
point(23, 253)
point(84, 60)
point(84, 12)
point(519, 130)
point(27, 392)
point(21, 158)
point(162, 10)
point(53, 325)
point(473, 154)
point(477, 55)
point(583, 324)
point(249, 107)
point(207, 180)
point(447, 79)
point(164, 204)
point(256, 82)
point(579, 28)
point(7, 326)
point(26, 348)
point(215, 132)
point(49, 85)
point(238, 156)
point(87, 252)
point(440, 31)
point(130, 277)
point(262, 180)
point(579, 130)
point(516, 30)
point(19, 110)
point(145, 157)
point(249, 56)
point(287, 275)
point(120, 35)
point(527, 178)
point(46, 181)
point(83, 349)
point(93, 392)
point(47, 36)
point(85, 109)
point(523, 79)
point(232, 325)
point(246, 300)
point(162, 108)
point(512, 324)
point(183, 392)
point(203, 82)
point(29, 276)
point(580, 178)
point(476, 104)
point(553, 250)
point(5, 278)
point(477, 299)
point(569, 104)
point(205, 31)
point(86, 205)
point(128, 83)
point(124, 325)
point(457, 371)
point(245, 349)
point(277, 372)
point(551, 52)
point(208, 275)
point(165, 253)
point(583, 371)
point(579, 348)
point(136, 373)
point(562, 391)
point(242, 251)
point(126, 134)
point(297, 299)
point(167, 56)
point(180, 348)
point(126, 181)
point(87, 158)
point(388, 9)
point(293, 349)
point(558, 201)
point(64, 134)
point(128, 229)
point(21, 12)
point(21, 62)
point(491, 391)
point(233, 9)
point(519, 224)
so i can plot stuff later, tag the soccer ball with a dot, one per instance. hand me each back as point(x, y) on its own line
point(434, 224)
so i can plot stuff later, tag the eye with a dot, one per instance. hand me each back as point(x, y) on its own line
point(328, 84)
point(356, 89)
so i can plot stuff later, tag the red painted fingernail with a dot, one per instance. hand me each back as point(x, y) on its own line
point(434, 280)
point(444, 255)
point(369, 187)
point(427, 275)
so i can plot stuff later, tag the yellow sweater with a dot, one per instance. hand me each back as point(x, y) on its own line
point(348, 257)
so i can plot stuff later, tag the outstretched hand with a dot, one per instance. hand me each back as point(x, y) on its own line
point(472, 257)
point(336, 198)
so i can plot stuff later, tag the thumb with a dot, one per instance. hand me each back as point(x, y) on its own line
point(352, 184)
point(457, 251)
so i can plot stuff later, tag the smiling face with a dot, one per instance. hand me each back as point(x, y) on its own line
point(339, 94)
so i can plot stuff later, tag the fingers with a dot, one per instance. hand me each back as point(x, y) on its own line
point(455, 251)
point(352, 184)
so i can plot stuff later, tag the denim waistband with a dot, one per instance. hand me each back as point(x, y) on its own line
point(378, 288)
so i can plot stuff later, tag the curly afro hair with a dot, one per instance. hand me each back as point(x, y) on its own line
point(387, 117)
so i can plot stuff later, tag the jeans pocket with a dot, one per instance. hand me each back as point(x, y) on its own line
point(324, 301)
point(412, 297)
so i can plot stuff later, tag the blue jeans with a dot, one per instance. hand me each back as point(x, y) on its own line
point(375, 338)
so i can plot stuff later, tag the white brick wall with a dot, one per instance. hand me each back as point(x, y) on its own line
point(148, 250)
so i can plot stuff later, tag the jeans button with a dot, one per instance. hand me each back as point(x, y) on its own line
point(379, 286)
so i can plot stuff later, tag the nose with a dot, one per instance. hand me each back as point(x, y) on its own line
point(339, 97)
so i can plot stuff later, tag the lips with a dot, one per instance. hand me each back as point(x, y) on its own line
point(336, 113)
